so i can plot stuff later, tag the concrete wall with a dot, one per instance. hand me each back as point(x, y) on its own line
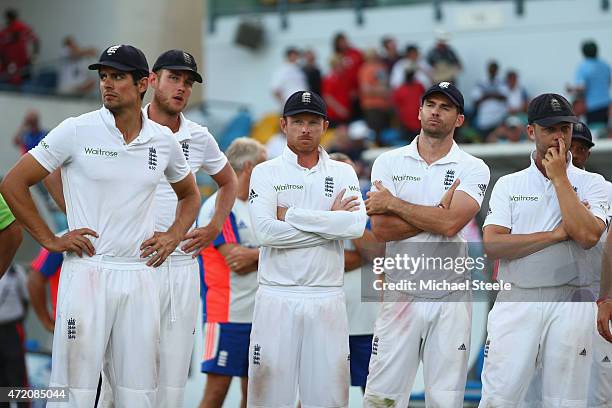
point(543, 44)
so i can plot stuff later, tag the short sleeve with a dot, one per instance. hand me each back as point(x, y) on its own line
point(380, 172)
point(597, 197)
point(177, 168)
point(499, 212)
point(580, 76)
point(214, 159)
point(476, 181)
point(57, 148)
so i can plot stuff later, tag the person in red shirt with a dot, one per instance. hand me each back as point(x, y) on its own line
point(337, 93)
point(352, 59)
point(15, 57)
point(407, 100)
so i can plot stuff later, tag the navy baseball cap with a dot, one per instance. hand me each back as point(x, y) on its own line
point(178, 60)
point(124, 58)
point(549, 109)
point(582, 132)
point(305, 101)
point(448, 89)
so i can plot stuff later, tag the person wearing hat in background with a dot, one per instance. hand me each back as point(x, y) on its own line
point(302, 205)
point(540, 223)
point(423, 195)
point(111, 163)
point(443, 59)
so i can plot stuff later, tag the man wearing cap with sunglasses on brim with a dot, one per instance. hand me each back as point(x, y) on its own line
point(302, 205)
point(541, 222)
point(111, 163)
point(409, 210)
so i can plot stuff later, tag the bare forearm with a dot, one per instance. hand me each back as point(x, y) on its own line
point(18, 197)
point(581, 225)
point(431, 219)
point(10, 239)
point(388, 227)
point(513, 246)
point(53, 184)
point(223, 205)
point(352, 260)
point(186, 213)
point(605, 290)
point(38, 298)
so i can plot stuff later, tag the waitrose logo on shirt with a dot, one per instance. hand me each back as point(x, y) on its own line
point(285, 187)
point(405, 177)
point(98, 151)
point(524, 198)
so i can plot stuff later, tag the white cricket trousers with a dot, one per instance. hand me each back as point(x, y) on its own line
point(299, 342)
point(179, 283)
point(108, 309)
point(535, 327)
point(409, 331)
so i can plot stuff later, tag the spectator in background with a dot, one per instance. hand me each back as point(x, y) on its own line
point(489, 101)
point(337, 93)
point(375, 94)
point(352, 59)
point(289, 78)
point(390, 53)
point(444, 61)
point(13, 308)
point(517, 98)
point(593, 82)
point(15, 53)
point(312, 71)
point(29, 133)
point(407, 101)
point(412, 61)
point(510, 130)
point(74, 77)
point(352, 140)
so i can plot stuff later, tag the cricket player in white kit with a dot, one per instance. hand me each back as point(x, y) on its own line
point(302, 205)
point(111, 162)
point(172, 79)
point(539, 224)
point(408, 210)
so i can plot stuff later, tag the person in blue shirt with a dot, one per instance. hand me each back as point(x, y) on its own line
point(593, 82)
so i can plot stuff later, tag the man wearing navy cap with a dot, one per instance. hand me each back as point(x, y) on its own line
point(410, 210)
point(172, 80)
point(540, 223)
point(111, 162)
point(302, 206)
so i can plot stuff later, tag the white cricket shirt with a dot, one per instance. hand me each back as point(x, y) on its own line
point(307, 248)
point(201, 152)
point(109, 186)
point(408, 177)
point(526, 202)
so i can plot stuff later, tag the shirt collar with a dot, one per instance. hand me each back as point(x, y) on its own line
point(532, 167)
point(290, 157)
point(109, 120)
point(451, 157)
point(182, 134)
